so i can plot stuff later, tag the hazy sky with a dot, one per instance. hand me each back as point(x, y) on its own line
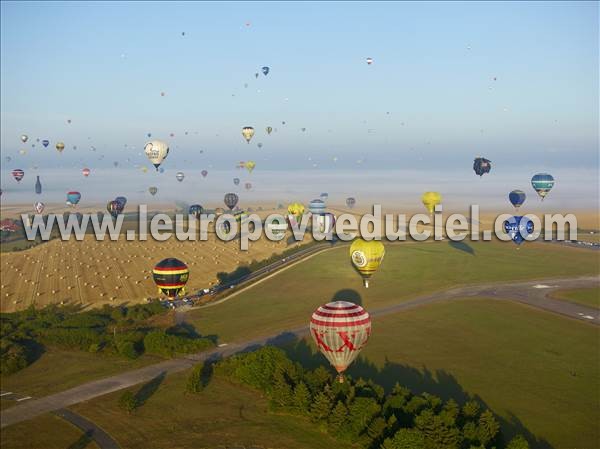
point(429, 99)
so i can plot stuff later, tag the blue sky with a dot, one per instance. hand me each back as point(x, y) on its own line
point(104, 65)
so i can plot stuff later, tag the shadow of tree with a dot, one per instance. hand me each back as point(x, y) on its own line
point(462, 246)
point(148, 389)
point(83, 441)
point(438, 382)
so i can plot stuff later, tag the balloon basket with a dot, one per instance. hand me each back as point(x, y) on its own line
point(340, 378)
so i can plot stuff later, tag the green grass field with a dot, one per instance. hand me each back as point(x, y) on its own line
point(409, 270)
point(58, 370)
point(530, 367)
point(222, 415)
point(585, 296)
point(45, 432)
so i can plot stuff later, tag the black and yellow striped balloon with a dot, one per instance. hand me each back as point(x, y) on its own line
point(170, 276)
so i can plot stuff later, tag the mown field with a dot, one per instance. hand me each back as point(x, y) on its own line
point(589, 297)
point(222, 415)
point(47, 431)
point(537, 371)
point(287, 300)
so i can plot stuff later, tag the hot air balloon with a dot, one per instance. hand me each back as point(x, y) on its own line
point(179, 176)
point(86, 172)
point(326, 222)
point(340, 330)
point(45, 143)
point(248, 185)
point(69, 121)
point(517, 198)
point(24, 138)
point(170, 276)
point(152, 190)
point(204, 173)
point(542, 183)
point(250, 166)
point(269, 130)
point(324, 196)
point(236, 181)
point(481, 166)
point(38, 186)
point(122, 201)
point(195, 210)
point(115, 164)
point(430, 200)
point(231, 200)
point(350, 202)
point(18, 174)
point(265, 71)
point(114, 208)
point(38, 207)
point(156, 151)
point(316, 207)
point(518, 228)
point(23, 152)
point(259, 145)
point(296, 210)
point(247, 132)
point(370, 61)
point(73, 198)
point(60, 147)
point(366, 256)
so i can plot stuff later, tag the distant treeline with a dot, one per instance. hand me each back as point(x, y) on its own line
point(125, 331)
point(359, 412)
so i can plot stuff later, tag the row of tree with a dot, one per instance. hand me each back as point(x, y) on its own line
point(126, 331)
point(359, 412)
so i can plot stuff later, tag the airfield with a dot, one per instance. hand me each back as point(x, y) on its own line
point(464, 320)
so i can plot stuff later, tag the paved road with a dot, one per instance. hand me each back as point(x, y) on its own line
point(102, 439)
point(532, 293)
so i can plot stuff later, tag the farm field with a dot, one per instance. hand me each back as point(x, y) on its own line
point(287, 299)
point(114, 272)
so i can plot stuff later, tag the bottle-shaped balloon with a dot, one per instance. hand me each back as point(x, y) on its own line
point(38, 186)
point(366, 257)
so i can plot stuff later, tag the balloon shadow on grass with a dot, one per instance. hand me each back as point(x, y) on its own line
point(148, 389)
point(437, 382)
point(462, 246)
point(347, 294)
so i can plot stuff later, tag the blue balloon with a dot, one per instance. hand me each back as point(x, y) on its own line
point(45, 143)
point(542, 183)
point(518, 228)
point(73, 198)
point(517, 198)
point(265, 71)
point(316, 207)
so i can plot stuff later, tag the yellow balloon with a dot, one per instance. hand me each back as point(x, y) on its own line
point(366, 257)
point(247, 132)
point(296, 209)
point(430, 200)
point(60, 147)
point(250, 166)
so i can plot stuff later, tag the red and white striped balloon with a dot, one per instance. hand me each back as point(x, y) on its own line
point(86, 172)
point(340, 329)
point(18, 174)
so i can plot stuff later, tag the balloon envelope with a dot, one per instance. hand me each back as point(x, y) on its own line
point(179, 176)
point(542, 183)
point(340, 330)
point(18, 174)
point(247, 132)
point(156, 151)
point(518, 228)
point(170, 276)
point(231, 200)
point(517, 198)
point(481, 166)
point(430, 200)
point(45, 143)
point(366, 257)
point(350, 202)
point(73, 198)
point(38, 207)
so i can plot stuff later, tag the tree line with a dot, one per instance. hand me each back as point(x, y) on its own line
point(125, 331)
point(359, 411)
